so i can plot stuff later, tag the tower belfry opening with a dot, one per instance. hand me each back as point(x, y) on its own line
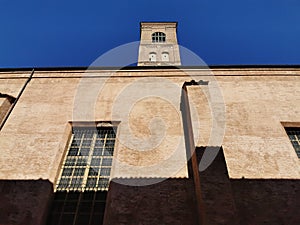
point(158, 44)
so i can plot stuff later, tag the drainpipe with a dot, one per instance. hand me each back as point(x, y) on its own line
point(16, 100)
point(190, 146)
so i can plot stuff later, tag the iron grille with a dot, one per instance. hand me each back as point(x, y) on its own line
point(294, 135)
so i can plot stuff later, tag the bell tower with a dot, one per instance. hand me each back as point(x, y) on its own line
point(158, 44)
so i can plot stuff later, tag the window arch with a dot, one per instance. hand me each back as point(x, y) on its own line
point(152, 57)
point(158, 37)
point(165, 57)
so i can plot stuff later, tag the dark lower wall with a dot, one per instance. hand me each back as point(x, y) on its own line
point(24, 202)
point(171, 201)
point(247, 201)
point(217, 193)
point(267, 201)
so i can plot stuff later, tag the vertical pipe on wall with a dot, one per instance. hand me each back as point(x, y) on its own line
point(190, 148)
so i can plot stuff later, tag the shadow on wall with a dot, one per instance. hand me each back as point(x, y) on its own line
point(172, 201)
point(80, 208)
point(33, 202)
point(247, 201)
point(24, 202)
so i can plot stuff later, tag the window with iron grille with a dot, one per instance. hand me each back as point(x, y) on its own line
point(83, 182)
point(294, 135)
point(158, 37)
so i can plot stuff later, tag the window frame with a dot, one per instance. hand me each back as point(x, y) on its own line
point(154, 58)
point(83, 205)
point(87, 158)
point(293, 134)
point(167, 59)
point(158, 37)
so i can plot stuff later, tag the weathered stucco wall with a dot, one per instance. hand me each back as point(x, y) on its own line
point(5, 105)
point(36, 133)
point(256, 103)
point(255, 143)
point(11, 82)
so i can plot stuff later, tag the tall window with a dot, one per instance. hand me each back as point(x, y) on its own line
point(82, 186)
point(158, 37)
point(294, 135)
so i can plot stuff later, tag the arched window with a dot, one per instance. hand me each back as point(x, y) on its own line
point(152, 57)
point(165, 57)
point(158, 37)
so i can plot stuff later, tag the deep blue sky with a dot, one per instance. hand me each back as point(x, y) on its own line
point(36, 33)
